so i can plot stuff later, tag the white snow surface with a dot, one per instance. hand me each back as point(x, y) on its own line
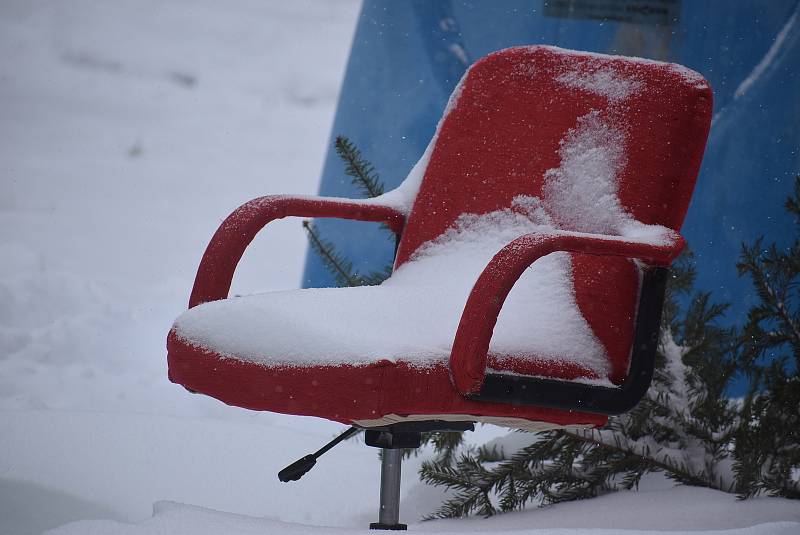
point(603, 82)
point(582, 192)
point(128, 130)
point(689, 76)
point(177, 519)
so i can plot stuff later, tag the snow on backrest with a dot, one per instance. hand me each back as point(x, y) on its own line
point(607, 144)
point(604, 141)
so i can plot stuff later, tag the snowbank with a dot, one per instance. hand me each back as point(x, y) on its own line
point(176, 519)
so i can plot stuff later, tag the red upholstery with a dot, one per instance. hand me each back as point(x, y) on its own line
point(340, 393)
point(498, 140)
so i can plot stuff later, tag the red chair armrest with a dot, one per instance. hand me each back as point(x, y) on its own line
point(471, 344)
point(215, 273)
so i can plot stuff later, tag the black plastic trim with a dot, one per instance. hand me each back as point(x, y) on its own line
point(404, 435)
point(425, 426)
point(388, 527)
point(570, 395)
point(389, 440)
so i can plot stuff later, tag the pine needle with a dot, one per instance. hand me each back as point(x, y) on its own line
point(360, 171)
point(337, 265)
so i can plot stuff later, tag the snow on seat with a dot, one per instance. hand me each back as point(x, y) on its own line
point(413, 316)
point(588, 159)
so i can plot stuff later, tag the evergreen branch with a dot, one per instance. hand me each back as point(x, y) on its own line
point(472, 481)
point(642, 453)
point(360, 171)
point(340, 268)
point(363, 176)
point(793, 326)
point(770, 324)
point(754, 265)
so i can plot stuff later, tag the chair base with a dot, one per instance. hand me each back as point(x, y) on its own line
point(392, 440)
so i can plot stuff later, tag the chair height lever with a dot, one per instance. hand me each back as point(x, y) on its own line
point(298, 469)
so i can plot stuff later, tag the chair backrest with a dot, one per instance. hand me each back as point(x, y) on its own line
point(529, 120)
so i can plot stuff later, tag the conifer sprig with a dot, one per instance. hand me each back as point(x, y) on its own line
point(360, 171)
point(340, 267)
point(337, 265)
point(767, 453)
point(363, 176)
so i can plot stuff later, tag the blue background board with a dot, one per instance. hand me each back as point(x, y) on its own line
point(407, 57)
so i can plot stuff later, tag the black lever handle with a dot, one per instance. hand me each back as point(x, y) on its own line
point(298, 469)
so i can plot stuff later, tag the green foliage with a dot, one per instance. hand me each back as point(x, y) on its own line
point(767, 454)
point(340, 267)
point(768, 440)
point(364, 177)
point(361, 172)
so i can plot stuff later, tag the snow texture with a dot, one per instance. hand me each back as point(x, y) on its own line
point(603, 82)
point(581, 194)
point(177, 519)
point(690, 76)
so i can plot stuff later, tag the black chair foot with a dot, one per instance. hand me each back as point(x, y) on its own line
point(392, 527)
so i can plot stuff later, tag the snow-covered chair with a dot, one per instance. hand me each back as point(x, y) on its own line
point(533, 237)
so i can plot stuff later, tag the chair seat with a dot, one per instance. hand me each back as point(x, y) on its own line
point(412, 317)
point(364, 353)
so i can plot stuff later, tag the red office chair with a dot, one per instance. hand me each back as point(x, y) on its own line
point(533, 241)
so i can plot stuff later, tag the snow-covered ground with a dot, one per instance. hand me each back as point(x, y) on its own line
point(128, 130)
